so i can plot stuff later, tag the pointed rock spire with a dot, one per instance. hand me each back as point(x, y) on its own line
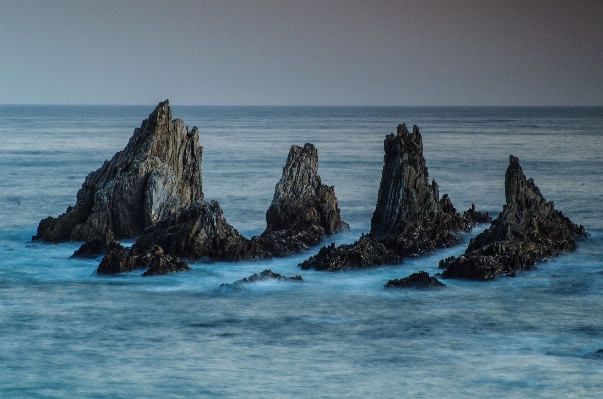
point(526, 231)
point(156, 174)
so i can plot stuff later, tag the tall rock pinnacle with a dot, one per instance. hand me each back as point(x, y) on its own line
point(156, 174)
point(410, 219)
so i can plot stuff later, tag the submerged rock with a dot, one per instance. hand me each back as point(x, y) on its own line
point(409, 220)
point(154, 176)
point(302, 213)
point(265, 275)
point(416, 280)
point(527, 230)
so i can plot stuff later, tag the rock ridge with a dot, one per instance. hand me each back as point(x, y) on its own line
point(527, 230)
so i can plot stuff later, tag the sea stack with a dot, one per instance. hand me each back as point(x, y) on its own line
point(303, 211)
point(410, 218)
point(153, 177)
point(527, 230)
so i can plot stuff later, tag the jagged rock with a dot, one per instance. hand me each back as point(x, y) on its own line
point(302, 212)
point(364, 253)
point(410, 219)
point(527, 230)
point(416, 280)
point(196, 232)
point(97, 246)
point(474, 217)
point(156, 174)
point(265, 275)
point(156, 262)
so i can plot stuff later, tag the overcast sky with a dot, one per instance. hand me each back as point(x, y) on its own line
point(454, 52)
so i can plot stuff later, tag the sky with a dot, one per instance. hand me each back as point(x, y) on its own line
point(399, 53)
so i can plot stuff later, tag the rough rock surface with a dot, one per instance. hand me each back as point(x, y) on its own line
point(303, 211)
point(527, 230)
point(97, 246)
point(265, 275)
point(156, 174)
point(196, 232)
point(156, 262)
point(474, 217)
point(415, 280)
point(409, 220)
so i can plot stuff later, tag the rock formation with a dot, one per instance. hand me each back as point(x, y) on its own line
point(303, 211)
point(527, 230)
point(120, 260)
point(263, 276)
point(154, 176)
point(410, 219)
point(415, 280)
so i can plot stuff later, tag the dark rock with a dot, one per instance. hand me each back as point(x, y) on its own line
point(197, 231)
point(474, 217)
point(96, 246)
point(302, 213)
point(527, 230)
point(154, 176)
point(364, 253)
point(409, 220)
point(415, 280)
point(156, 262)
point(303, 209)
point(265, 275)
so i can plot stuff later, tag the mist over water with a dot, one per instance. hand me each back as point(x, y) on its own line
point(67, 332)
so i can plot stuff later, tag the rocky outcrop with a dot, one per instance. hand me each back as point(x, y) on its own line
point(527, 230)
point(263, 276)
point(415, 280)
point(153, 259)
point(474, 217)
point(154, 176)
point(303, 211)
point(196, 232)
point(410, 219)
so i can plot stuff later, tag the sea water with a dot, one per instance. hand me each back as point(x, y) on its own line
point(66, 332)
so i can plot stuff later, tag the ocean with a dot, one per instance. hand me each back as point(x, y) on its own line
point(66, 332)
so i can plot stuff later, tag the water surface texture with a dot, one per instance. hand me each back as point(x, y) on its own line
point(66, 332)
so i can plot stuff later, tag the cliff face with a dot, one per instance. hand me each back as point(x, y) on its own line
point(302, 212)
point(156, 174)
point(526, 231)
point(410, 219)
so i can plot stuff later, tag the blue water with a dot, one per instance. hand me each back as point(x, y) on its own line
point(66, 332)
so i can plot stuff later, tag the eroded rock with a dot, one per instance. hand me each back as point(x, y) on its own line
point(263, 276)
point(410, 218)
point(415, 280)
point(153, 177)
point(153, 259)
point(527, 230)
point(303, 211)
